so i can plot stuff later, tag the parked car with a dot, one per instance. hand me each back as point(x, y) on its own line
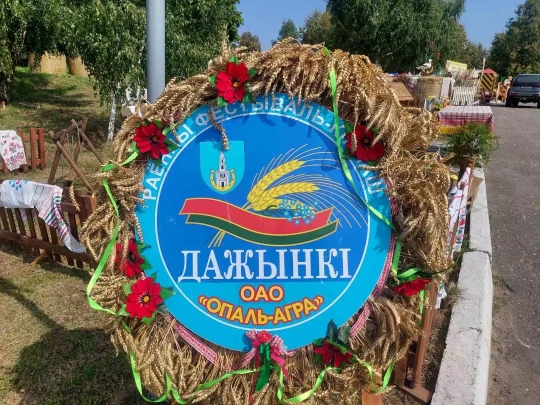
point(525, 89)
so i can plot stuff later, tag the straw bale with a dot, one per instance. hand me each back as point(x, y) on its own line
point(54, 64)
point(76, 67)
point(428, 86)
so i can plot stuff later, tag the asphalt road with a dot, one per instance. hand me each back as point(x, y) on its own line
point(513, 187)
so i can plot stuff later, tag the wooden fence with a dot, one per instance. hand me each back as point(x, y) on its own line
point(464, 95)
point(37, 157)
point(35, 236)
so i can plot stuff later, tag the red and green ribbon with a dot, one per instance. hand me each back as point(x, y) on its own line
point(253, 227)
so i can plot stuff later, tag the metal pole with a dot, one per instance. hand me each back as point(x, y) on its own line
point(155, 44)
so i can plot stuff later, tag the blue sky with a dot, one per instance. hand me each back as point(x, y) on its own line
point(483, 18)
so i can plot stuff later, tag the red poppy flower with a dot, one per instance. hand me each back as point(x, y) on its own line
point(132, 261)
point(144, 298)
point(230, 82)
point(412, 287)
point(331, 354)
point(264, 337)
point(365, 149)
point(149, 138)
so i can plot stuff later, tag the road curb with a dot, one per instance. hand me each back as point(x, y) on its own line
point(464, 374)
point(480, 232)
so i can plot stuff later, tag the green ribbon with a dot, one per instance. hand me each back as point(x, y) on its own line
point(138, 383)
point(209, 384)
point(386, 378)
point(348, 175)
point(375, 212)
point(305, 395)
point(103, 261)
point(173, 391)
point(346, 170)
point(422, 297)
point(264, 376)
point(320, 378)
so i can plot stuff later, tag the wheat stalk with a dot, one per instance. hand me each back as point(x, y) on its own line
point(272, 176)
point(269, 197)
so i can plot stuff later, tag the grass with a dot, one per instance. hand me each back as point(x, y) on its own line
point(54, 350)
point(51, 101)
point(39, 100)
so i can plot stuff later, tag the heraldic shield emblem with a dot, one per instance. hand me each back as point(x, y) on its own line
point(221, 170)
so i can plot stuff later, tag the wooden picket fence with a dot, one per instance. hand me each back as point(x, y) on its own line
point(36, 237)
point(36, 144)
point(462, 95)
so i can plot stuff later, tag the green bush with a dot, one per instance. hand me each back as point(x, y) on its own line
point(473, 140)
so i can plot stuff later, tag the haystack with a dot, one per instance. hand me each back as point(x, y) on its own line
point(427, 86)
point(49, 63)
point(76, 67)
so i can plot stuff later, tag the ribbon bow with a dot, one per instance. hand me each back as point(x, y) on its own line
point(268, 349)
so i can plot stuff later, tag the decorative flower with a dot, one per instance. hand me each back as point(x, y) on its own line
point(365, 149)
point(230, 82)
point(132, 261)
point(144, 298)
point(264, 336)
point(149, 138)
point(332, 354)
point(411, 288)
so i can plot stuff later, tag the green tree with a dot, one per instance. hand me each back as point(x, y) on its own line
point(250, 41)
point(499, 54)
point(288, 30)
point(195, 33)
point(26, 26)
point(317, 29)
point(518, 49)
point(473, 55)
point(398, 34)
point(109, 35)
point(451, 37)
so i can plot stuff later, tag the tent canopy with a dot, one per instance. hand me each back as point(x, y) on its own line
point(489, 71)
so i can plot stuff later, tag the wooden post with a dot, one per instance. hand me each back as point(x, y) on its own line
point(423, 340)
point(371, 399)
point(414, 359)
point(62, 150)
point(33, 148)
point(41, 149)
point(82, 134)
point(57, 156)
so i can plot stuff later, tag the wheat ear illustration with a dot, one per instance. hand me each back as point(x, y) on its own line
point(262, 198)
point(270, 198)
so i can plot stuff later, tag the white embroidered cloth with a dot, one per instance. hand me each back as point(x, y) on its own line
point(12, 150)
point(45, 200)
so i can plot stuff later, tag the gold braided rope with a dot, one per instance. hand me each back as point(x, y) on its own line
point(418, 185)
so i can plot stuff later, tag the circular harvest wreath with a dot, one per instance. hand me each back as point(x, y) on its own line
point(373, 135)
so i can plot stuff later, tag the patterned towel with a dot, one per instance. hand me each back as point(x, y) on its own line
point(12, 150)
point(457, 210)
point(45, 199)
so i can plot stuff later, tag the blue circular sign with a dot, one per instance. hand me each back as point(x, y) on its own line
point(269, 234)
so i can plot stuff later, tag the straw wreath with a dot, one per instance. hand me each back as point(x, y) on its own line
point(417, 184)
